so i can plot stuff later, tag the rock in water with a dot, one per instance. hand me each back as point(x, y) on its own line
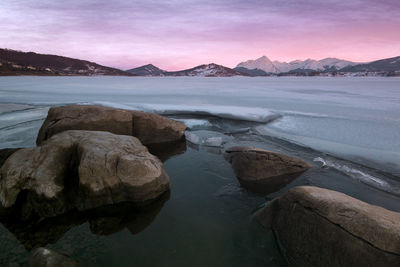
point(148, 128)
point(153, 129)
point(84, 117)
point(81, 170)
point(320, 227)
point(44, 257)
point(264, 171)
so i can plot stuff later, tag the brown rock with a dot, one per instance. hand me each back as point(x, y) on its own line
point(320, 227)
point(149, 128)
point(152, 128)
point(264, 171)
point(83, 117)
point(82, 170)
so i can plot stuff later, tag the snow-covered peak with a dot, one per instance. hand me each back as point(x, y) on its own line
point(265, 64)
point(337, 63)
point(262, 63)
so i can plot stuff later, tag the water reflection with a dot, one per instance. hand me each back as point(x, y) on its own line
point(102, 221)
point(165, 151)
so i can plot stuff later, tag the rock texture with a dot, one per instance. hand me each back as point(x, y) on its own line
point(264, 171)
point(81, 170)
point(152, 128)
point(44, 257)
point(320, 227)
point(148, 128)
point(5, 153)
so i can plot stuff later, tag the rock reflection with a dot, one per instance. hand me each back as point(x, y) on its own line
point(165, 151)
point(102, 221)
point(270, 185)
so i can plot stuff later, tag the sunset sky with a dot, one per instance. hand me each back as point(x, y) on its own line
point(178, 34)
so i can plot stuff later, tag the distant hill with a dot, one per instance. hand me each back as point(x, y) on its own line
point(383, 65)
point(207, 70)
point(14, 62)
point(147, 70)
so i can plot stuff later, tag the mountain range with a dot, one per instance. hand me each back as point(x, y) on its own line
point(205, 70)
point(265, 64)
point(14, 62)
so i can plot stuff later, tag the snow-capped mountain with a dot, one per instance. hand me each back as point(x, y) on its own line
point(207, 70)
point(337, 63)
point(265, 64)
point(262, 63)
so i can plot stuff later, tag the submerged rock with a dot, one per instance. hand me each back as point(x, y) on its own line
point(320, 227)
point(148, 128)
point(44, 257)
point(264, 171)
point(81, 170)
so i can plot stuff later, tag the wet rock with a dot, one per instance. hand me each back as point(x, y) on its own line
point(81, 170)
point(264, 171)
point(320, 227)
point(148, 128)
point(44, 257)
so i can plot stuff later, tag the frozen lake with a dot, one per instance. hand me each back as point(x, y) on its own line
point(349, 128)
point(355, 118)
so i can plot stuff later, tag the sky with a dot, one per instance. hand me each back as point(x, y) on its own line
point(179, 34)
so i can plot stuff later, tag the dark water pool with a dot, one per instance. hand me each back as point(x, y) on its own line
point(205, 222)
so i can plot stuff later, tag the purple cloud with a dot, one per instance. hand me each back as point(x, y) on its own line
point(177, 34)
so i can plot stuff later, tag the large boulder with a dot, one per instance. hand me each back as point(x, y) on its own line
point(320, 227)
point(44, 257)
point(148, 128)
point(264, 171)
point(5, 153)
point(152, 128)
point(81, 170)
point(85, 117)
